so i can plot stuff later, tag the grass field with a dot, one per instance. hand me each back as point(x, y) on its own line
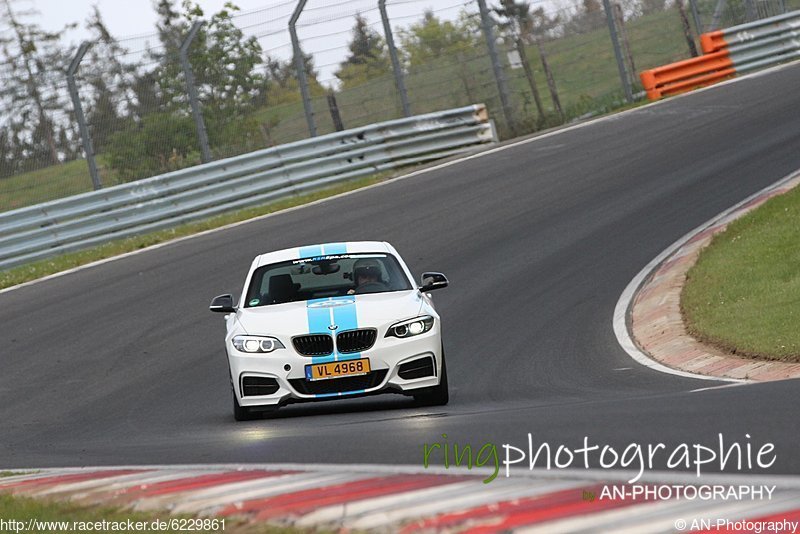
point(583, 66)
point(743, 294)
point(39, 269)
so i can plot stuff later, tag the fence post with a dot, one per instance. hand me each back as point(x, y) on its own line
point(86, 139)
point(623, 72)
point(333, 106)
point(300, 67)
point(499, 75)
point(200, 125)
point(698, 26)
point(719, 8)
point(619, 20)
point(526, 66)
point(398, 70)
point(551, 82)
point(687, 30)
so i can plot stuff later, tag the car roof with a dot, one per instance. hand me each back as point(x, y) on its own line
point(323, 249)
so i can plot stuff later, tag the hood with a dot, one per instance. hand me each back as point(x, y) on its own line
point(378, 310)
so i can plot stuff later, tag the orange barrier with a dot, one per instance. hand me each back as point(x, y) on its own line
point(686, 75)
point(713, 42)
point(752, 45)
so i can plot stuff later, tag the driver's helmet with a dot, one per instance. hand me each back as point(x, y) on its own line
point(367, 267)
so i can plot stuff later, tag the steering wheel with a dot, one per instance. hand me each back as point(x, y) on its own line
point(371, 287)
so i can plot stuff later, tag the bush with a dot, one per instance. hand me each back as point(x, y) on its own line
point(161, 143)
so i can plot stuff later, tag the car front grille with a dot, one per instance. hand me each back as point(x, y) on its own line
point(338, 385)
point(355, 340)
point(313, 345)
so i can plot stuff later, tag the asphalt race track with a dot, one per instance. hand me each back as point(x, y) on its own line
point(123, 364)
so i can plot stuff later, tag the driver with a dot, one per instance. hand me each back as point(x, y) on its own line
point(366, 273)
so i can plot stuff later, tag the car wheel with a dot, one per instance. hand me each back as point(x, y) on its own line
point(241, 413)
point(437, 395)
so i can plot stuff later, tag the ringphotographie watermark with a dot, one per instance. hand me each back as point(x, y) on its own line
point(732, 456)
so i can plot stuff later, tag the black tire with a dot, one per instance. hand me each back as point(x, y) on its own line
point(241, 413)
point(436, 395)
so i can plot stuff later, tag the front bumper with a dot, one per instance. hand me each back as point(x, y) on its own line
point(287, 368)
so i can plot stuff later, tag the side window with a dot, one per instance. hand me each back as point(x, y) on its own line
point(254, 291)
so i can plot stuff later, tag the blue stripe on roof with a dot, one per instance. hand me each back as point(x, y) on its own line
point(311, 251)
point(335, 248)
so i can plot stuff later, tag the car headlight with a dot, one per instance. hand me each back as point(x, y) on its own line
point(256, 344)
point(411, 327)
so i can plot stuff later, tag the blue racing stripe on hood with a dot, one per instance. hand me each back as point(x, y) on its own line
point(319, 319)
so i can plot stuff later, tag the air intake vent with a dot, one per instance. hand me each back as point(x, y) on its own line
point(416, 369)
point(253, 386)
point(338, 385)
point(313, 345)
point(355, 340)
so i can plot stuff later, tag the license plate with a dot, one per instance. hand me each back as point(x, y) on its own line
point(324, 371)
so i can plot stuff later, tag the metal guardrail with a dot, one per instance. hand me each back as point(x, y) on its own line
point(728, 52)
point(73, 223)
point(757, 44)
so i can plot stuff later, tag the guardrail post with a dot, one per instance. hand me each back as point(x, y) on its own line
point(396, 68)
point(300, 66)
point(623, 72)
point(202, 135)
point(86, 139)
point(499, 74)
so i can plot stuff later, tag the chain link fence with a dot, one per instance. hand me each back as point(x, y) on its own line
point(206, 86)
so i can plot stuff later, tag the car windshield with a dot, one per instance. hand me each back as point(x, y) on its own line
point(325, 276)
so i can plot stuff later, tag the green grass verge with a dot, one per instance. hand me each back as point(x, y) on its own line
point(583, 66)
point(49, 183)
point(39, 269)
point(743, 294)
point(25, 509)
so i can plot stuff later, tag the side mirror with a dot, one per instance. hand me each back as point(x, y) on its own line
point(431, 281)
point(222, 304)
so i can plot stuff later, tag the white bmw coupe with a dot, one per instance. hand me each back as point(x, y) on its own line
point(332, 321)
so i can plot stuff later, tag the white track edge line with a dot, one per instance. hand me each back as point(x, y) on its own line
point(573, 473)
point(622, 309)
point(486, 152)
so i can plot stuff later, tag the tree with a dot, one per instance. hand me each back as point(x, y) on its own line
point(367, 59)
point(647, 7)
point(111, 81)
point(589, 15)
point(228, 80)
point(33, 67)
point(224, 62)
point(432, 38)
point(523, 26)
